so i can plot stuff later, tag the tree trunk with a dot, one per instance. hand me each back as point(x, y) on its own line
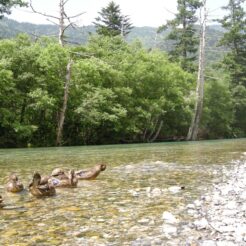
point(64, 106)
point(61, 23)
point(193, 130)
point(157, 132)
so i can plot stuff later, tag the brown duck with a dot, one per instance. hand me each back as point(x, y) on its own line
point(63, 180)
point(56, 173)
point(39, 190)
point(14, 185)
point(91, 173)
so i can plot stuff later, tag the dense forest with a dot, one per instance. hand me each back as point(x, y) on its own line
point(105, 87)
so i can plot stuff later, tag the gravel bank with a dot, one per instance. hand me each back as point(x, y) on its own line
point(219, 217)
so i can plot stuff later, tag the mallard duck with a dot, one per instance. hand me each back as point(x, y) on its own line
point(91, 173)
point(14, 185)
point(64, 180)
point(39, 190)
point(1, 202)
point(56, 173)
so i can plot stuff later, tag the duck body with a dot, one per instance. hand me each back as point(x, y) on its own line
point(64, 180)
point(40, 190)
point(14, 185)
point(89, 174)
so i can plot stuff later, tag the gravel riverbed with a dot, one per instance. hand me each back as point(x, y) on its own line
point(219, 217)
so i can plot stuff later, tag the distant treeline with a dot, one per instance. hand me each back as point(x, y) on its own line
point(146, 35)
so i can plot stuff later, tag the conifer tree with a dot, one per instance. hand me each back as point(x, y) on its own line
point(111, 22)
point(235, 39)
point(6, 5)
point(183, 35)
point(235, 61)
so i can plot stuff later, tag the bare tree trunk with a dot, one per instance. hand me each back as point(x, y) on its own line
point(61, 23)
point(64, 105)
point(153, 130)
point(157, 132)
point(193, 130)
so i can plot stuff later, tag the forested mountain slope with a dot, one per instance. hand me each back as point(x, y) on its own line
point(147, 35)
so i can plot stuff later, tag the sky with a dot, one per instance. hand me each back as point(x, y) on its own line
point(141, 12)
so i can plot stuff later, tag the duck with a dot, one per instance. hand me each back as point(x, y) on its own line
point(14, 185)
point(40, 190)
point(63, 180)
point(1, 202)
point(56, 173)
point(92, 173)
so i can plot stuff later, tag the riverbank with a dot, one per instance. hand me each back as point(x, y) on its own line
point(219, 218)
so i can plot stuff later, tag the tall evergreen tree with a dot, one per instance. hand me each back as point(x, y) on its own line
point(6, 5)
point(182, 34)
point(235, 39)
point(111, 22)
point(235, 61)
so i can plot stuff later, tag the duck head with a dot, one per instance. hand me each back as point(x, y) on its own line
point(102, 167)
point(35, 180)
point(13, 177)
point(57, 172)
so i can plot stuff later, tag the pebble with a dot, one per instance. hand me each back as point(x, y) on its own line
point(201, 224)
point(169, 230)
point(169, 218)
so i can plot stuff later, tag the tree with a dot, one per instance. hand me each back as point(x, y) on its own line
point(235, 61)
point(6, 5)
point(63, 21)
point(111, 22)
point(182, 36)
point(194, 127)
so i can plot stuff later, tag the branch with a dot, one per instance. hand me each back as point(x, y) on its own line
point(70, 22)
point(67, 26)
point(74, 16)
point(169, 11)
point(52, 22)
point(40, 13)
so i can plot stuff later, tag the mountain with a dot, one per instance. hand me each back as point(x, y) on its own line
point(147, 35)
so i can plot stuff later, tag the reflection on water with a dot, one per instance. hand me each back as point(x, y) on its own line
point(123, 204)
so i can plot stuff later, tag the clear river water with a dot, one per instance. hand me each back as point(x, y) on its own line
point(124, 205)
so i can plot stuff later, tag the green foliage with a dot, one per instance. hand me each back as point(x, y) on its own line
point(111, 22)
point(118, 93)
point(6, 5)
point(218, 109)
point(235, 60)
point(183, 37)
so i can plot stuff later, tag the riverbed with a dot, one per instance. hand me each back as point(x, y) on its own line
point(125, 205)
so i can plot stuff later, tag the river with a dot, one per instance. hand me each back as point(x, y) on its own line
point(124, 205)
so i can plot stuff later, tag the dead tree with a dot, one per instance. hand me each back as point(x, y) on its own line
point(193, 130)
point(63, 21)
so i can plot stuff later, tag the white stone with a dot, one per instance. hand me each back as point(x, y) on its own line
point(190, 206)
point(175, 189)
point(156, 192)
point(231, 205)
point(169, 230)
point(169, 218)
point(201, 224)
point(198, 203)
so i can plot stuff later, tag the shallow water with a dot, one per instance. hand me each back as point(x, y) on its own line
point(124, 205)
